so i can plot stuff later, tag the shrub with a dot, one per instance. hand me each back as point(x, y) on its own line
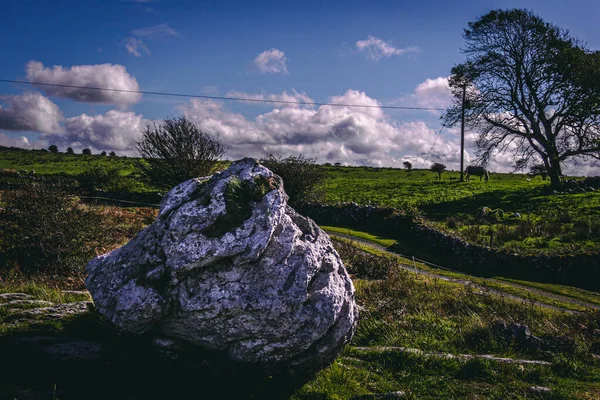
point(301, 177)
point(99, 178)
point(177, 150)
point(438, 169)
point(45, 229)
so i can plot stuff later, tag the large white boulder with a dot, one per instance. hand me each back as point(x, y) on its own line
point(229, 266)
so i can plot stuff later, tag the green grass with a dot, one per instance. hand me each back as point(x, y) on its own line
point(551, 224)
point(46, 163)
point(45, 292)
point(561, 290)
point(416, 312)
point(568, 291)
point(385, 242)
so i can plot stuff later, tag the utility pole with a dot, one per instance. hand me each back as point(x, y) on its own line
point(462, 136)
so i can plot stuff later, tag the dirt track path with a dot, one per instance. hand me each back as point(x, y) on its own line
point(484, 288)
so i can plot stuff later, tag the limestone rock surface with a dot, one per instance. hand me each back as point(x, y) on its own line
point(229, 266)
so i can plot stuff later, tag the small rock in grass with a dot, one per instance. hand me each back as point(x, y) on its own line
point(4, 297)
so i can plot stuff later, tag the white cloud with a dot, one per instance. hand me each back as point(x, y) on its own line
point(114, 130)
point(353, 135)
point(30, 112)
point(98, 75)
point(271, 61)
point(376, 49)
point(21, 142)
point(434, 93)
point(160, 30)
point(431, 93)
point(135, 47)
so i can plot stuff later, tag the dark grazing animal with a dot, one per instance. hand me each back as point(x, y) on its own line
point(481, 172)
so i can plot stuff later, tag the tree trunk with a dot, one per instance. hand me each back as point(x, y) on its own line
point(555, 172)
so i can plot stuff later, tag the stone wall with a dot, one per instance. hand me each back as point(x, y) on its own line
point(581, 270)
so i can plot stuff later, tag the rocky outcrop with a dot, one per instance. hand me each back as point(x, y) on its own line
point(229, 267)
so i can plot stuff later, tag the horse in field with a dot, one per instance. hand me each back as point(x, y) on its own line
point(481, 172)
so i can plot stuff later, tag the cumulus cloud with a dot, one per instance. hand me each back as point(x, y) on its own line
point(114, 130)
point(22, 142)
point(434, 93)
point(431, 93)
point(98, 75)
point(135, 47)
point(376, 49)
point(271, 61)
point(30, 112)
point(353, 135)
point(159, 30)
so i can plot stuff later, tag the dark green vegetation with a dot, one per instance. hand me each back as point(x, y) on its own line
point(239, 195)
point(302, 178)
point(44, 230)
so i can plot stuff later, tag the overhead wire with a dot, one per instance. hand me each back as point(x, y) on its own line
point(434, 142)
point(199, 96)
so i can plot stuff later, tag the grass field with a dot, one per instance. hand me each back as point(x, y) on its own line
point(47, 163)
point(530, 222)
point(524, 219)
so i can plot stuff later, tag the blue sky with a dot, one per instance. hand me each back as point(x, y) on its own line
point(366, 52)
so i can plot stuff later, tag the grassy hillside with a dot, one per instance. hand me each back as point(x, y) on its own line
point(525, 219)
point(46, 163)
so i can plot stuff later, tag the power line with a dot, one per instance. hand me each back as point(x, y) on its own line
point(434, 142)
point(305, 103)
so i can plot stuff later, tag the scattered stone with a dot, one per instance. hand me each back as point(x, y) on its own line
point(14, 296)
point(540, 390)
point(77, 292)
point(75, 350)
point(381, 396)
point(517, 333)
point(503, 360)
point(27, 302)
point(228, 266)
point(55, 312)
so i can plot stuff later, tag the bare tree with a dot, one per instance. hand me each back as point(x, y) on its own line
point(177, 150)
point(531, 89)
